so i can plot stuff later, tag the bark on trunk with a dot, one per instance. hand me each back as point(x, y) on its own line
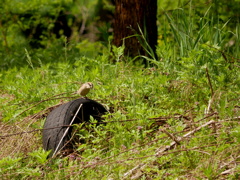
point(129, 16)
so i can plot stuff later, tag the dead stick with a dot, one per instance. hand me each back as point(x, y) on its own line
point(136, 167)
point(184, 136)
point(160, 151)
point(34, 130)
point(207, 116)
point(66, 131)
point(209, 81)
point(50, 98)
point(171, 136)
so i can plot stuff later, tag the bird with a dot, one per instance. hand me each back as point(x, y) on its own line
point(85, 88)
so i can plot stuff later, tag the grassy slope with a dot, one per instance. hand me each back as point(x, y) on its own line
point(116, 148)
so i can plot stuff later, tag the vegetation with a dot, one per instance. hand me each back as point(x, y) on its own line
point(176, 118)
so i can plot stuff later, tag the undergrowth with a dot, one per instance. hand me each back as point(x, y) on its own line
point(178, 118)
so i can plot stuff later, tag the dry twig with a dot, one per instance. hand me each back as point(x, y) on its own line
point(172, 144)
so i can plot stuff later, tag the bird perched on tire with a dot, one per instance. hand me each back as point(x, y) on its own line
point(85, 88)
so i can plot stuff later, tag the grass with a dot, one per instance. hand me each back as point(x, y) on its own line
point(177, 119)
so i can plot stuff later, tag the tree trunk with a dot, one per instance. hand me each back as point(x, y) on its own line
point(130, 15)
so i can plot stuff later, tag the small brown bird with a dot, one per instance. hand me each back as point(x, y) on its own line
point(85, 88)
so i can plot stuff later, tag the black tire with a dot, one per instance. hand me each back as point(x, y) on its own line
point(53, 129)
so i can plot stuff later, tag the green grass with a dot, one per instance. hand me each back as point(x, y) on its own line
point(195, 81)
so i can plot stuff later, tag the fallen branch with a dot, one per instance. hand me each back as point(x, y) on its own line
point(172, 144)
point(44, 100)
point(175, 139)
point(184, 136)
point(229, 119)
point(66, 131)
point(135, 168)
point(34, 130)
point(207, 116)
point(209, 81)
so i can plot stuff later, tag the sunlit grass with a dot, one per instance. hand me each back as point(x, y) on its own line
point(191, 84)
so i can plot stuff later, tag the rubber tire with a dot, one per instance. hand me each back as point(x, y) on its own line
point(53, 129)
